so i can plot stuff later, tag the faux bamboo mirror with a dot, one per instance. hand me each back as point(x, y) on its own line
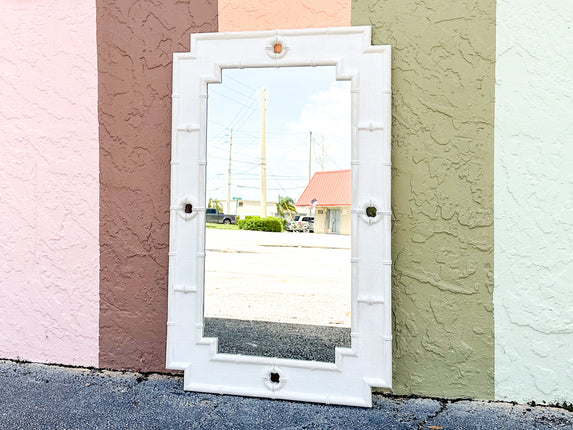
point(278, 151)
point(231, 290)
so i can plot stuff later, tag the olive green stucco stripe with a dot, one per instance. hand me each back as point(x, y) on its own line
point(442, 191)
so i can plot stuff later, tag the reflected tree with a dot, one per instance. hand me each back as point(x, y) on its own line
point(215, 204)
point(286, 207)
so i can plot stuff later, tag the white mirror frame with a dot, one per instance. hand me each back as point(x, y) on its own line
point(368, 363)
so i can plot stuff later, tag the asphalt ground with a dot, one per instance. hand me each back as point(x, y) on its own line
point(270, 339)
point(36, 396)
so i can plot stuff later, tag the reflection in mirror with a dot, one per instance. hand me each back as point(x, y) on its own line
point(278, 148)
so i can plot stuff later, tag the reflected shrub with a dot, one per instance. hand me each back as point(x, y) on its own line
point(257, 223)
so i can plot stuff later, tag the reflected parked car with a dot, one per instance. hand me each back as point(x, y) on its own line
point(305, 224)
point(291, 225)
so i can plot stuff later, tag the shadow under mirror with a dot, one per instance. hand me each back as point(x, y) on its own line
point(277, 266)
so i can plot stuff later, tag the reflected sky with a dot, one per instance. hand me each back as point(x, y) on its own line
point(298, 100)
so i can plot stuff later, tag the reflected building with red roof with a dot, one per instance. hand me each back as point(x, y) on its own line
point(329, 193)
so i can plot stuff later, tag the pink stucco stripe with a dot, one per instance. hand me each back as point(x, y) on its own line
point(49, 263)
point(243, 15)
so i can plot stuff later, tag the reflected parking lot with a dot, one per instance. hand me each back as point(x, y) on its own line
point(280, 277)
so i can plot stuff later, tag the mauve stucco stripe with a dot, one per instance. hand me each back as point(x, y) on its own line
point(136, 42)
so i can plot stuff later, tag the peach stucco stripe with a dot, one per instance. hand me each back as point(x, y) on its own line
point(245, 15)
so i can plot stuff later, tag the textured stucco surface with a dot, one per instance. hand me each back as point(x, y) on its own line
point(534, 201)
point(243, 15)
point(136, 42)
point(49, 266)
point(442, 191)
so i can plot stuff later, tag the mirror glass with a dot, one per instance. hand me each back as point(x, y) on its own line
point(278, 158)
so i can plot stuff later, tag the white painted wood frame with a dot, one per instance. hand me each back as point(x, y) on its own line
point(368, 363)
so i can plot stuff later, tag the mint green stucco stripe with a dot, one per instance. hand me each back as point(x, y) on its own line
point(533, 293)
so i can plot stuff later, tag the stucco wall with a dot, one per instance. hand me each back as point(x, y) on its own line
point(136, 42)
point(442, 191)
point(49, 179)
point(443, 77)
point(534, 201)
point(246, 15)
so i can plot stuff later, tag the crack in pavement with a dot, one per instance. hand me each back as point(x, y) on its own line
point(443, 407)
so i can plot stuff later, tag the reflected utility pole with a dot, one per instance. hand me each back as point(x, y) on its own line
point(263, 158)
point(309, 154)
point(229, 175)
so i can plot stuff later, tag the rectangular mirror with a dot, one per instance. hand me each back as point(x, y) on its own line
point(303, 314)
point(278, 150)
